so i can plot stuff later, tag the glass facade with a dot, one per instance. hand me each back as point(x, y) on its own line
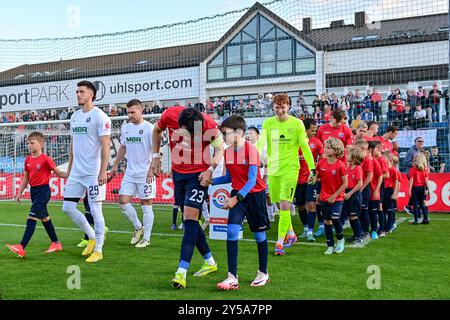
point(261, 50)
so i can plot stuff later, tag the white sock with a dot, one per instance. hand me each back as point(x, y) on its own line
point(210, 261)
point(205, 211)
point(149, 217)
point(70, 208)
point(182, 270)
point(130, 213)
point(270, 211)
point(99, 224)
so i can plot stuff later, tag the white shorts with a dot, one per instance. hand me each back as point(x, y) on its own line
point(142, 191)
point(78, 187)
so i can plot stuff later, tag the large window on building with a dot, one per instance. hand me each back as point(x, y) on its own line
point(261, 50)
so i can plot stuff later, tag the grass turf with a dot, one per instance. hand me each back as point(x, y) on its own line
point(413, 263)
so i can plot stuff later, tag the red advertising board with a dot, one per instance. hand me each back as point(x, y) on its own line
point(439, 200)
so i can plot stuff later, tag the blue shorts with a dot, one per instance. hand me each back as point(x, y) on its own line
point(254, 208)
point(352, 206)
point(40, 196)
point(188, 191)
point(331, 211)
point(366, 197)
point(306, 193)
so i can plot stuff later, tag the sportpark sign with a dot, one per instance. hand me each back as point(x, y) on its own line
point(146, 86)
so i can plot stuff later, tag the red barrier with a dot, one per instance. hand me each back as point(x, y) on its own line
point(439, 200)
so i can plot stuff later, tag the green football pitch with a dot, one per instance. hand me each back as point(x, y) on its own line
point(411, 263)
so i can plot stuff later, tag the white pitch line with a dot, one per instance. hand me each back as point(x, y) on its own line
point(365, 243)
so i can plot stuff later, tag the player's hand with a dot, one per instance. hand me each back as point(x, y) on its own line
point(346, 196)
point(155, 169)
point(102, 178)
point(170, 174)
point(312, 177)
point(113, 172)
point(230, 203)
point(18, 198)
point(394, 197)
point(205, 178)
point(331, 199)
point(409, 193)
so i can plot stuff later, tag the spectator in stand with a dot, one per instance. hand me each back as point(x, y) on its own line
point(435, 100)
point(437, 164)
point(420, 92)
point(392, 96)
point(358, 103)
point(367, 115)
point(63, 115)
point(301, 102)
point(334, 102)
point(356, 122)
point(412, 99)
point(368, 100)
point(327, 113)
point(376, 102)
point(318, 116)
point(406, 121)
point(324, 100)
point(419, 118)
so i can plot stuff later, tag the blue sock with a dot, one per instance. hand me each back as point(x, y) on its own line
point(319, 216)
point(189, 240)
point(232, 254)
point(29, 231)
point(50, 230)
point(338, 228)
point(311, 220)
point(303, 217)
point(174, 215)
point(263, 250)
point(356, 226)
point(329, 235)
point(201, 243)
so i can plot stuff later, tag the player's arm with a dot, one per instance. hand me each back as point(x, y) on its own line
point(368, 179)
point(23, 185)
point(411, 181)
point(354, 190)
point(304, 145)
point(103, 176)
point(120, 155)
point(377, 188)
point(262, 142)
point(155, 168)
point(217, 143)
point(69, 167)
point(60, 173)
point(340, 190)
point(249, 185)
point(442, 169)
point(396, 190)
point(223, 179)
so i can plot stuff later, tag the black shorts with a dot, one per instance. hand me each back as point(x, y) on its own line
point(352, 206)
point(331, 211)
point(305, 193)
point(40, 196)
point(254, 208)
point(188, 191)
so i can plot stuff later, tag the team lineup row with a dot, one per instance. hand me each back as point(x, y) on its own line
point(331, 174)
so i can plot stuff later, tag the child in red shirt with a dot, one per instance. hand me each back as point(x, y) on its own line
point(248, 200)
point(375, 190)
point(353, 195)
point(418, 188)
point(333, 176)
point(390, 194)
point(37, 172)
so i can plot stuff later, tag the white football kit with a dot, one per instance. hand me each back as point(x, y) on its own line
point(138, 142)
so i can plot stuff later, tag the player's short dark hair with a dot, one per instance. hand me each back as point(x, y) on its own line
point(254, 129)
point(134, 102)
point(338, 114)
point(188, 117)
point(371, 123)
point(88, 85)
point(391, 129)
point(36, 135)
point(308, 122)
point(374, 143)
point(235, 122)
